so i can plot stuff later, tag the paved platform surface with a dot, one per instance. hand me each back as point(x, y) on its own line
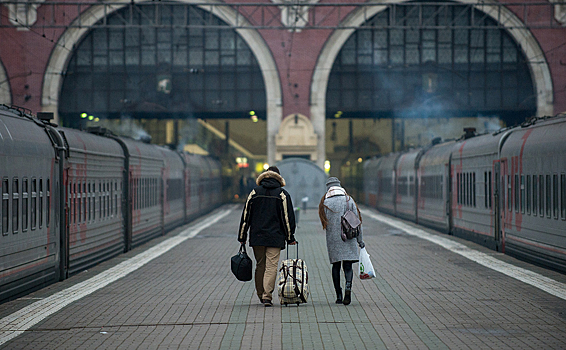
point(424, 297)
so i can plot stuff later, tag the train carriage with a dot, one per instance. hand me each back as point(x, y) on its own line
point(533, 167)
point(406, 176)
point(146, 166)
point(434, 187)
point(29, 239)
point(193, 175)
point(173, 178)
point(71, 199)
point(473, 170)
point(215, 182)
point(371, 181)
point(387, 183)
point(94, 170)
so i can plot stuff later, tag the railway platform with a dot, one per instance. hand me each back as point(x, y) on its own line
point(432, 291)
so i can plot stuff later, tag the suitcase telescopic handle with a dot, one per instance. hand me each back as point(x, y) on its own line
point(297, 244)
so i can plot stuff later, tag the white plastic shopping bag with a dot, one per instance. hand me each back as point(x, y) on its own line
point(366, 267)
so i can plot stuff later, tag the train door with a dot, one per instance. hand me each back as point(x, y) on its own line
point(500, 173)
point(448, 191)
point(497, 205)
point(64, 239)
point(164, 200)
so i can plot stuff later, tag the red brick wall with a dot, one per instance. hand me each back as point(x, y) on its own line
point(24, 55)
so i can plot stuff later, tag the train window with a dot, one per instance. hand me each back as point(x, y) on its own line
point(509, 206)
point(458, 188)
point(144, 193)
point(33, 203)
point(528, 194)
point(111, 199)
point(502, 195)
point(116, 198)
point(470, 188)
point(48, 195)
point(15, 204)
point(40, 203)
point(5, 204)
point(84, 202)
point(108, 204)
point(563, 196)
point(105, 200)
point(523, 194)
point(541, 195)
point(25, 208)
point(516, 193)
point(106, 214)
point(535, 197)
point(548, 196)
point(156, 189)
point(485, 189)
point(474, 187)
point(463, 189)
point(100, 201)
point(79, 203)
point(466, 188)
point(73, 203)
point(89, 196)
point(555, 195)
point(490, 193)
point(93, 200)
point(150, 192)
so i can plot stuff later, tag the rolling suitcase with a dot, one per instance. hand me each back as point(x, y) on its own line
point(293, 286)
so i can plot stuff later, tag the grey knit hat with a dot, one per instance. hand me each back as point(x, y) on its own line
point(332, 181)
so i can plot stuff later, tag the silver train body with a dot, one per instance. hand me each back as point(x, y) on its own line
point(71, 199)
point(505, 190)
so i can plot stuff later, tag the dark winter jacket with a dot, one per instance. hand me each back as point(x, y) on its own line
point(268, 213)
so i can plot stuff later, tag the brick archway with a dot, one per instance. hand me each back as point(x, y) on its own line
point(5, 90)
point(62, 52)
point(529, 46)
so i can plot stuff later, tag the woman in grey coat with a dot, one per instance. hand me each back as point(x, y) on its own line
point(332, 206)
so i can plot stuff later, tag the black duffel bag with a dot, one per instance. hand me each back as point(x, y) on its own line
point(242, 265)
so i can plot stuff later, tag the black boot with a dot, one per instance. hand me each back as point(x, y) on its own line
point(347, 294)
point(339, 296)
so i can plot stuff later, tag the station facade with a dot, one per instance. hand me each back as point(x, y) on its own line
point(313, 79)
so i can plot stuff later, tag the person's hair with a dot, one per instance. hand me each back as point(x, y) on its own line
point(322, 213)
point(274, 168)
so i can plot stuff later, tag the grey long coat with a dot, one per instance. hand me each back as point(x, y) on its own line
point(339, 250)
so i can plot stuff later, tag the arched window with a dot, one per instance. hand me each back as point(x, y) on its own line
point(431, 71)
point(164, 65)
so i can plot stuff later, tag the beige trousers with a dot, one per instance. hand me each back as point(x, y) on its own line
point(266, 259)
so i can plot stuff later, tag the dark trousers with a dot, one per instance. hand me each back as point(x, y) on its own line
point(348, 273)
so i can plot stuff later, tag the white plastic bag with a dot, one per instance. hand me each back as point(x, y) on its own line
point(366, 267)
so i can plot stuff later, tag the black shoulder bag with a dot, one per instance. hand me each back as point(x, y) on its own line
point(242, 265)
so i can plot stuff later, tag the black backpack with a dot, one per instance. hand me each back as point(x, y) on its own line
point(351, 224)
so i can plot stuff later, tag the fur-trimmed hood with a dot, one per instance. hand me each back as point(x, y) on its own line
point(270, 175)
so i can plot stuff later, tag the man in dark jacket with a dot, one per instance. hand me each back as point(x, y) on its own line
point(269, 216)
